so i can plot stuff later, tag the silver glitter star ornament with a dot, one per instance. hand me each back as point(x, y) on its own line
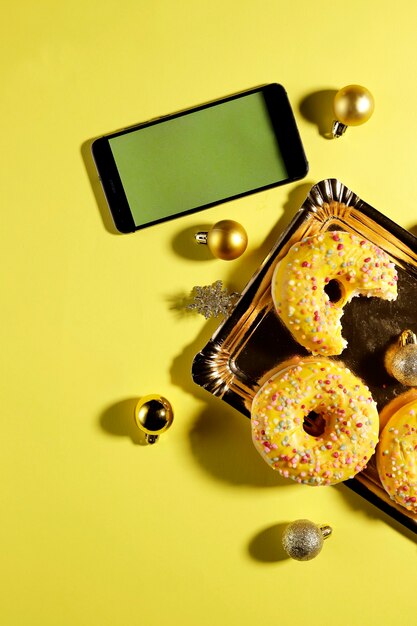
point(213, 300)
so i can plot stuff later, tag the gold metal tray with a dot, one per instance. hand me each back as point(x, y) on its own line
point(252, 342)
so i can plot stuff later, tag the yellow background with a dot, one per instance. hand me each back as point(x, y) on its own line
point(97, 529)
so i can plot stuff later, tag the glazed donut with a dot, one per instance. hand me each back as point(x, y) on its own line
point(396, 456)
point(349, 264)
point(343, 404)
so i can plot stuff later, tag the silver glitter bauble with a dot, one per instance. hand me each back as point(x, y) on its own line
point(401, 359)
point(303, 540)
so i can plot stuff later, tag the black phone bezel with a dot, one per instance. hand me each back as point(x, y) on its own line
point(285, 129)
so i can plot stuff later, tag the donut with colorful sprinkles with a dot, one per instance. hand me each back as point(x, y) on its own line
point(287, 409)
point(396, 456)
point(319, 276)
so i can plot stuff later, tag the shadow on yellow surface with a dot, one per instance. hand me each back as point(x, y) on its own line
point(221, 443)
point(266, 545)
point(317, 107)
point(178, 303)
point(118, 420)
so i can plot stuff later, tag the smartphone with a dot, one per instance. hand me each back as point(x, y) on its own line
point(200, 157)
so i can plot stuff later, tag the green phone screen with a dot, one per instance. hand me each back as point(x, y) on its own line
point(199, 158)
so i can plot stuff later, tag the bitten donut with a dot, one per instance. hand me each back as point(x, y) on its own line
point(341, 401)
point(396, 456)
point(338, 261)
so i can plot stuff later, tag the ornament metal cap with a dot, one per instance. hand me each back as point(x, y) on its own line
point(353, 105)
point(401, 359)
point(338, 129)
point(227, 239)
point(303, 540)
point(153, 416)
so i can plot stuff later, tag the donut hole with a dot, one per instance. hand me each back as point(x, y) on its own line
point(314, 424)
point(334, 290)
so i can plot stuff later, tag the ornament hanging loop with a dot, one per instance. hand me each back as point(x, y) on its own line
point(201, 237)
point(338, 129)
point(326, 531)
point(406, 338)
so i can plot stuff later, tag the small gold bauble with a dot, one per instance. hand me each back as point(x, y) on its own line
point(153, 416)
point(353, 105)
point(303, 540)
point(227, 239)
point(401, 359)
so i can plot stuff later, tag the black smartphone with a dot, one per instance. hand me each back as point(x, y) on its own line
point(200, 157)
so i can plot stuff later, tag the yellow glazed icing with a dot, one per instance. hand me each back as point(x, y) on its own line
point(334, 393)
point(397, 456)
point(300, 278)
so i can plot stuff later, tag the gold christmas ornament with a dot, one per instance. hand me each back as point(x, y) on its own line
point(353, 105)
point(153, 416)
point(401, 359)
point(227, 239)
point(303, 540)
